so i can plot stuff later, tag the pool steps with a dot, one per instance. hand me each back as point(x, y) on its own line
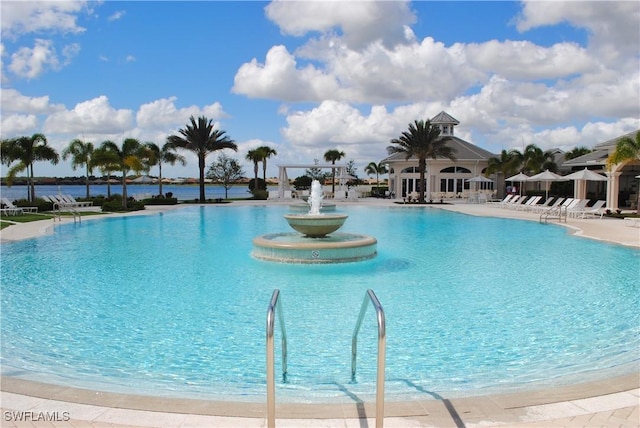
point(275, 309)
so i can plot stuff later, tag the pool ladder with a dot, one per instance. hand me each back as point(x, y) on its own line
point(275, 307)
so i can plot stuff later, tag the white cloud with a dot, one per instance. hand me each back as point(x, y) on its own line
point(14, 102)
point(116, 15)
point(130, 58)
point(163, 114)
point(22, 17)
point(18, 124)
point(93, 116)
point(526, 60)
point(30, 63)
point(361, 22)
point(612, 26)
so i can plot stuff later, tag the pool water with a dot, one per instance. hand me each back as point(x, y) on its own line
point(173, 304)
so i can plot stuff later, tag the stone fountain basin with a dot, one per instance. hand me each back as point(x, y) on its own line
point(316, 225)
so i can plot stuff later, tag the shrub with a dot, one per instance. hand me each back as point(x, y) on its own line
point(40, 203)
point(161, 201)
point(114, 204)
point(261, 195)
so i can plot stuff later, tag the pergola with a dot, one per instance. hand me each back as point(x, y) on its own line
point(283, 178)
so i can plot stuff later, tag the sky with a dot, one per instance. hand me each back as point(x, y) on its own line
point(305, 77)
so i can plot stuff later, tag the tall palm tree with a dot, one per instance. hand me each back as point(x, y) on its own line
point(377, 169)
point(266, 153)
point(107, 161)
point(26, 151)
point(256, 157)
point(422, 141)
point(333, 156)
point(81, 154)
point(158, 156)
point(627, 150)
point(130, 157)
point(201, 138)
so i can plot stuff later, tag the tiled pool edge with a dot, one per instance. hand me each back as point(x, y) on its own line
point(466, 407)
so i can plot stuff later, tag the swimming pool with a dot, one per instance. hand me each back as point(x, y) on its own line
point(173, 304)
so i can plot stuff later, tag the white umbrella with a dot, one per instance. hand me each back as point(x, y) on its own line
point(581, 177)
point(547, 176)
point(479, 179)
point(586, 174)
point(520, 178)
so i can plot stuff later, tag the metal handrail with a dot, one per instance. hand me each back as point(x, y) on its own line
point(370, 297)
point(553, 212)
point(274, 306)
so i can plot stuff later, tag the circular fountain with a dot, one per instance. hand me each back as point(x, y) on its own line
point(315, 240)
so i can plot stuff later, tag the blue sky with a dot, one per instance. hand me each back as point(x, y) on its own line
point(305, 77)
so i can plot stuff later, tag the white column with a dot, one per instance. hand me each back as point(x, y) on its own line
point(613, 188)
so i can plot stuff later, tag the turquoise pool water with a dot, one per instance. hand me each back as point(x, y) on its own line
point(173, 304)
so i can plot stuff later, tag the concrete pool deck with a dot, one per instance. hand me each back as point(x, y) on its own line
point(607, 403)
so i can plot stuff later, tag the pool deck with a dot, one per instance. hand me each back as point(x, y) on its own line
point(613, 402)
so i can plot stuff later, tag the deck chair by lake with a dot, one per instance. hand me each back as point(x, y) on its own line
point(72, 200)
point(17, 210)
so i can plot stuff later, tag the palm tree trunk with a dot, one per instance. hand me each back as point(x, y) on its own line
point(87, 181)
point(422, 166)
point(201, 166)
point(160, 179)
point(32, 188)
point(124, 190)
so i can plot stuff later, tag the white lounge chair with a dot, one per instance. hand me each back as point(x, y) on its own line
point(78, 203)
point(10, 207)
point(596, 210)
point(531, 202)
point(555, 205)
point(576, 208)
point(502, 202)
point(517, 201)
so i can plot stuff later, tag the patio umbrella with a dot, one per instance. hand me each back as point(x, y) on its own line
point(520, 178)
point(580, 178)
point(547, 177)
point(479, 179)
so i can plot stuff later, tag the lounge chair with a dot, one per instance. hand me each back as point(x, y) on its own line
point(556, 204)
point(11, 208)
point(502, 202)
point(533, 201)
point(596, 210)
point(78, 203)
point(518, 201)
point(576, 208)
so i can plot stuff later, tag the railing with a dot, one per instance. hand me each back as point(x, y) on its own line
point(274, 307)
point(370, 297)
point(556, 212)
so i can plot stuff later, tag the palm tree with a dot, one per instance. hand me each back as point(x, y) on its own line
point(107, 161)
point(423, 141)
point(576, 152)
point(202, 139)
point(333, 156)
point(627, 150)
point(536, 160)
point(130, 157)
point(507, 164)
point(377, 169)
point(26, 151)
point(256, 157)
point(266, 153)
point(158, 156)
point(81, 154)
